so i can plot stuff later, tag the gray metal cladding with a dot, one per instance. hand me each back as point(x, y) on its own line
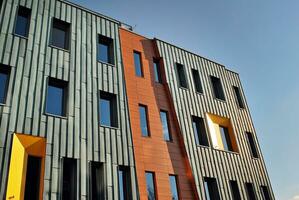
point(206, 161)
point(78, 135)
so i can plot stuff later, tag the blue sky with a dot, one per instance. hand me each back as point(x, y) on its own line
point(259, 40)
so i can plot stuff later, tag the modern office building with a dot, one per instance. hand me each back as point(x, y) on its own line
point(91, 110)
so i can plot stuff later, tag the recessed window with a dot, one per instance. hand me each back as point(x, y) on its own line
point(199, 131)
point(150, 185)
point(97, 178)
point(217, 88)
point(144, 120)
point(105, 51)
point(157, 71)
point(108, 109)
point(60, 34)
point(252, 145)
point(165, 125)
point(69, 180)
point(124, 183)
point(23, 21)
point(250, 191)
point(138, 64)
point(4, 80)
point(211, 189)
point(197, 81)
point(181, 74)
point(239, 98)
point(33, 173)
point(265, 193)
point(227, 145)
point(56, 97)
point(174, 187)
point(235, 190)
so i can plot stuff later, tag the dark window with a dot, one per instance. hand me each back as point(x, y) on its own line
point(211, 189)
point(181, 75)
point(265, 192)
point(250, 191)
point(97, 177)
point(217, 88)
point(4, 79)
point(199, 130)
point(60, 34)
point(124, 183)
point(32, 184)
point(69, 181)
point(157, 70)
point(144, 120)
point(105, 51)
point(197, 81)
point(108, 109)
point(238, 97)
point(150, 185)
point(23, 21)
point(174, 187)
point(138, 64)
point(165, 125)
point(235, 190)
point(227, 144)
point(56, 97)
point(252, 145)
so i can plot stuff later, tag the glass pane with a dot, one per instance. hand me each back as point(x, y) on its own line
point(195, 130)
point(137, 62)
point(207, 191)
point(59, 37)
point(225, 138)
point(55, 101)
point(121, 185)
point(105, 112)
point(143, 120)
point(174, 189)
point(164, 120)
point(150, 186)
point(157, 72)
point(22, 25)
point(3, 86)
point(103, 52)
point(181, 76)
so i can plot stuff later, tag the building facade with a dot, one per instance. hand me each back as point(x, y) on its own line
point(91, 110)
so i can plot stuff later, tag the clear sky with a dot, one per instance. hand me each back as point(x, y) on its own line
point(259, 39)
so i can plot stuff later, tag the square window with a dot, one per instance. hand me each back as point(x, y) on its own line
point(238, 97)
point(60, 34)
point(108, 109)
point(157, 71)
point(252, 145)
point(182, 79)
point(138, 64)
point(150, 185)
point(4, 80)
point(143, 114)
point(199, 130)
point(197, 81)
point(174, 187)
point(165, 125)
point(124, 183)
point(211, 189)
point(105, 52)
point(23, 21)
point(217, 88)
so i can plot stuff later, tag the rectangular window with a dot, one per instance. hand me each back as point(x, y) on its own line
point(56, 97)
point(238, 97)
point(165, 125)
point(217, 88)
point(105, 51)
point(23, 21)
point(197, 81)
point(138, 64)
point(174, 187)
point(235, 190)
point(4, 80)
point(124, 183)
point(157, 70)
point(108, 109)
point(32, 184)
point(199, 130)
point(60, 34)
point(252, 145)
point(265, 192)
point(211, 189)
point(227, 144)
point(97, 178)
point(181, 74)
point(150, 185)
point(69, 180)
point(144, 120)
point(250, 191)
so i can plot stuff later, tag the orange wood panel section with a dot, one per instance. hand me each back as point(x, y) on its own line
point(154, 153)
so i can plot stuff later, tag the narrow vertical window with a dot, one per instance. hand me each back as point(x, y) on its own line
point(124, 183)
point(60, 34)
point(181, 74)
point(217, 88)
point(105, 51)
point(265, 193)
point(199, 130)
point(174, 187)
point(157, 71)
point(32, 184)
point(56, 97)
point(238, 97)
point(226, 141)
point(4, 79)
point(197, 81)
point(69, 180)
point(250, 191)
point(165, 125)
point(150, 185)
point(252, 145)
point(211, 189)
point(138, 64)
point(144, 120)
point(97, 180)
point(23, 21)
point(108, 109)
point(235, 190)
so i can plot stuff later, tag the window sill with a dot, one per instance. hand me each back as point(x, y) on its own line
point(203, 146)
point(226, 151)
point(2, 104)
point(254, 158)
point(111, 127)
point(199, 93)
point(106, 63)
point(221, 100)
point(56, 116)
point(59, 48)
point(183, 88)
point(20, 36)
